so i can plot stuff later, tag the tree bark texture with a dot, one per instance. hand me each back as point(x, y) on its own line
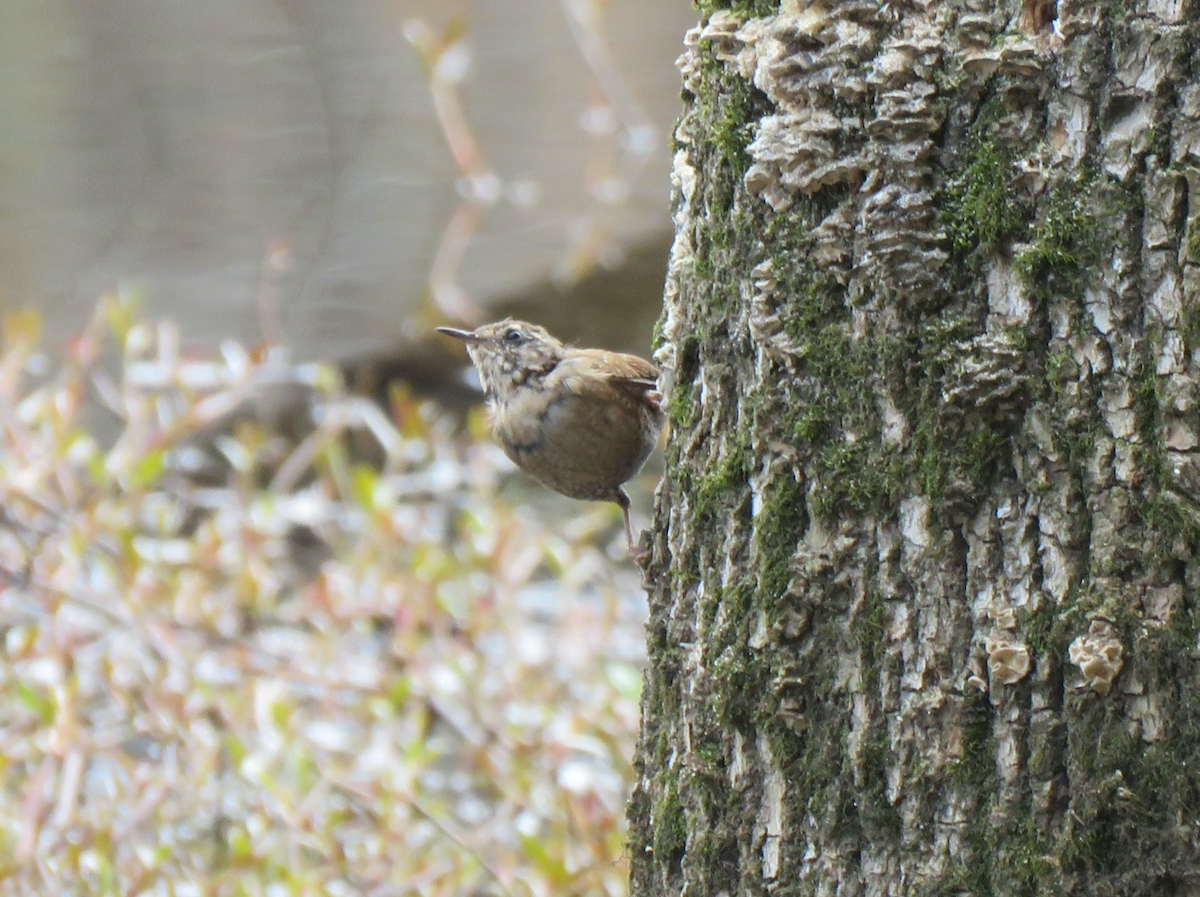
point(924, 579)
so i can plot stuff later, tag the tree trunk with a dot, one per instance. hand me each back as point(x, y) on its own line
point(923, 593)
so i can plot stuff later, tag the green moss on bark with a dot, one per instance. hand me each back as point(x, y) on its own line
point(981, 209)
point(1065, 242)
point(748, 8)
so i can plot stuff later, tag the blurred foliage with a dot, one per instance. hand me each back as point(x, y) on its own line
point(237, 661)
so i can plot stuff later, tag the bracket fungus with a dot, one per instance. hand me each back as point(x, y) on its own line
point(1008, 662)
point(1099, 655)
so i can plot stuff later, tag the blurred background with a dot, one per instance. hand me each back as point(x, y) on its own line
point(272, 625)
point(327, 174)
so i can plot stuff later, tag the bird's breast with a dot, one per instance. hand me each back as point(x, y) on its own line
point(582, 445)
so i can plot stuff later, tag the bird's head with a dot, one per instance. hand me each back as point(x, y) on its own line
point(508, 353)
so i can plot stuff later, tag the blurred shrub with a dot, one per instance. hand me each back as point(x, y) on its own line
point(237, 662)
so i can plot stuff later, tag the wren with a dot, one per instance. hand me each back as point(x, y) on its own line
point(581, 421)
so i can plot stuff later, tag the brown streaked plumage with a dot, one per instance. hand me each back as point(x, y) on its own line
point(581, 421)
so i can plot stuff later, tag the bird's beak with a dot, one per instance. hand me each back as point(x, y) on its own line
point(467, 336)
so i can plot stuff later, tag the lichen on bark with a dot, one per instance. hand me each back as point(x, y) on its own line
point(923, 587)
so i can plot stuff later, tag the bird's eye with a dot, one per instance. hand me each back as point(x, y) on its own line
point(513, 336)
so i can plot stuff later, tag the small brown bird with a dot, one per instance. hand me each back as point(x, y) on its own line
point(581, 421)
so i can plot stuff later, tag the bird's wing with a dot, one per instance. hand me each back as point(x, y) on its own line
point(629, 374)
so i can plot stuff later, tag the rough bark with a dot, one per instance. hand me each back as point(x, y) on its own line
point(924, 582)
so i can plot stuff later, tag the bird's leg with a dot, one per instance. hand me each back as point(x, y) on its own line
point(636, 555)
